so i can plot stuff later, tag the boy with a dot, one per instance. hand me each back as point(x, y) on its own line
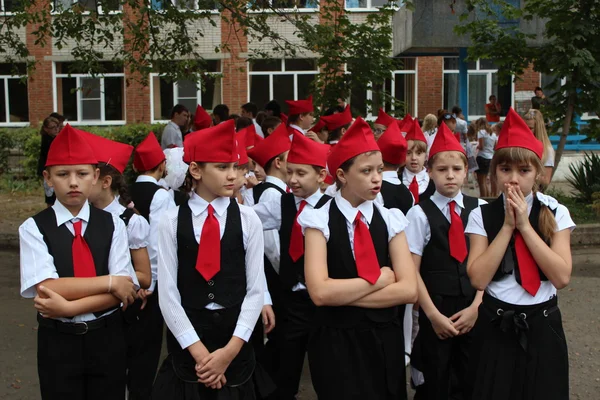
point(75, 261)
point(382, 122)
point(415, 176)
point(301, 117)
point(202, 119)
point(337, 124)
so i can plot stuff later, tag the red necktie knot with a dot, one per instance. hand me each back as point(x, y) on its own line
point(414, 189)
point(456, 235)
point(77, 227)
point(208, 261)
point(367, 264)
point(83, 262)
point(296, 249)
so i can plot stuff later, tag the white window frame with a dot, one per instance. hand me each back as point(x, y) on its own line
point(489, 80)
point(196, 8)
point(80, 100)
point(86, 12)
point(285, 10)
point(370, 7)
point(4, 82)
point(2, 12)
point(283, 71)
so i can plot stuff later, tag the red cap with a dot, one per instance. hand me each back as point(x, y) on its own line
point(393, 145)
point(300, 106)
point(318, 127)
point(516, 133)
point(278, 142)
point(307, 151)
point(216, 144)
point(338, 120)
point(284, 118)
point(70, 147)
point(358, 139)
point(202, 119)
point(413, 130)
point(445, 141)
point(250, 136)
point(240, 139)
point(148, 154)
point(383, 118)
point(108, 151)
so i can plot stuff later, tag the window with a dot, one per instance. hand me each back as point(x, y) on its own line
point(365, 4)
point(165, 94)
point(10, 6)
point(82, 98)
point(205, 5)
point(286, 4)
point(87, 5)
point(280, 80)
point(482, 83)
point(14, 104)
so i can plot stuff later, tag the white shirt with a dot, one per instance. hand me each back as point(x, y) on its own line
point(422, 179)
point(270, 216)
point(489, 144)
point(418, 232)
point(171, 136)
point(37, 264)
point(272, 250)
point(161, 202)
point(430, 140)
point(138, 229)
point(550, 160)
point(247, 196)
point(392, 177)
point(395, 221)
point(461, 126)
point(507, 289)
point(170, 298)
point(296, 127)
point(258, 128)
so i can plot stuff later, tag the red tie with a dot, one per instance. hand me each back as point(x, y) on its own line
point(83, 262)
point(296, 239)
point(414, 189)
point(367, 264)
point(456, 235)
point(530, 276)
point(208, 262)
point(287, 189)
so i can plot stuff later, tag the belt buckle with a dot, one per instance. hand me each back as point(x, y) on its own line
point(84, 324)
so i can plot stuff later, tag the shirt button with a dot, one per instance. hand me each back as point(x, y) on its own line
point(211, 283)
point(211, 296)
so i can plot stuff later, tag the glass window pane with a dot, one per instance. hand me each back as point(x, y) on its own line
point(113, 99)
point(18, 103)
point(477, 94)
point(358, 105)
point(211, 95)
point(190, 104)
point(3, 101)
point(487, 64)
point(307, 3)
point(87, 4)
point(404, 90)
point(187, 89)
point(450, 90)
point(60, 5)
point(265, 65)
point(356, 3)
point(503, 94)
point(283, 89)
point(450, 62)
point(91, 110)
point(406, 64)
point(12, 5)
point(90, 88)
point(259, 90)
point(378, 3)
point(300, 65)
point(207, 5)
point(284, 3)
point(304, 82)
point(9, 69)
point(166, 100)
point(67, 87)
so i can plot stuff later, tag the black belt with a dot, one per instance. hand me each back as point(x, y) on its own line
point(79, 328)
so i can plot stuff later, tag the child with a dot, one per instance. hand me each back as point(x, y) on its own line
point(152, 201)
point(447, 300)
point(520, 255)
point(354, 351)
point(75, 262)
point(382, 122)
point(306, 171)
point(269, 125)
point(486, 141)
point(535, 122)
point(337, 124)
point(301, 117)
point(50, 128)
point(320, 128)
point(202, 119)
point(414, 175)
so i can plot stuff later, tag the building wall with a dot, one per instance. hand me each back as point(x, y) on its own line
point(430, 82)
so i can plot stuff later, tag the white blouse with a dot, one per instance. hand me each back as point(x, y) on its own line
point(138, 229)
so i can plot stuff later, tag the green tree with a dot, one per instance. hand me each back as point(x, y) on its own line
point(568, 50)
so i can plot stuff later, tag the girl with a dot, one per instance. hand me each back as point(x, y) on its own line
point(486, 141)
point(535, 122)
point(358, 270)
point(414, 175)
point(337, 125)
point(49, 130)
point(211, 280)
point(520, 255)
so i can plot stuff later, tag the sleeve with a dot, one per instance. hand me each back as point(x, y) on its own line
point(269, 213)
point(37, 264)
point(475, 224)
point(161, 202)
point(119, 259)
point(550, 160)
point(480, 135)
point(255, 275)
point(464, 127)
point(379, 198)
point(138, 232)
point(563, 219)
point(170, 299)
point(394, 219)
point(316, 219)
point(418, 232)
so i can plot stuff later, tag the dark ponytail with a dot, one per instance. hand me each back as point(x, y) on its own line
point(118, 184)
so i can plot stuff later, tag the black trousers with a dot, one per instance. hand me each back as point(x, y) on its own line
point(144, 341)
point(90, 366)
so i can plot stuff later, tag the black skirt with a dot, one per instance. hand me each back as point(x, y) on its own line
point(520, 352)
point(363, 362)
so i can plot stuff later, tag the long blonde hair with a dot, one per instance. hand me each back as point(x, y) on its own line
point(539, 130)
point(429, 122)
point(517, 155)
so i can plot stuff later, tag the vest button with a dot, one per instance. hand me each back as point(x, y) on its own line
point(211, 283)
point(211, 296)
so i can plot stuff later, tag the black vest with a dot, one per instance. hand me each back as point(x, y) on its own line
point(228, 286)
point(126, 216)
point(429, 191)
point(291, 272)
point(441, 273)
point(98, 235)
point(258, 190)
point(396, 196)
point(493, 219)
point(341, 265)
point(142, 194)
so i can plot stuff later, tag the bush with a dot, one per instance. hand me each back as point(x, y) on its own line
point(585, 177)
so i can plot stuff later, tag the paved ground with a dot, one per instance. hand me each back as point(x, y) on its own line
point(579, 302)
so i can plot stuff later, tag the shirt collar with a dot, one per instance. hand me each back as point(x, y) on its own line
point(276, 181)
point(366, 208)
point(175, 125)
point(63, 214)
point(391, 177)
point(442, 201)
point(114, 206)
point(146, 178)
point(313, 199)
point(421, 176)
point(198, 205)
point(296, 127)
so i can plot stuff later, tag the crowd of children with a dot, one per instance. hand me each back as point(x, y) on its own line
point(350, 244)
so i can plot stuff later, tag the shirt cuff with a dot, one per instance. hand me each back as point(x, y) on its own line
point(152, 285)
point(242, 332)
point(268, 300)
point(188, 338)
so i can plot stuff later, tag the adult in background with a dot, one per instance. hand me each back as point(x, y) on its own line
point(461, 125)
point(250, 110)
point(49, 130)
point(172, 136)
point(486, 142)
point(539, 100)
point(535, 122)
point(493, 110)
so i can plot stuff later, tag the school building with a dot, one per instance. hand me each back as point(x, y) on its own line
point(433, 74)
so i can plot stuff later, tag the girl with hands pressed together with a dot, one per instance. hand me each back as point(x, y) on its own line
point(210, 277)
point(358, 271)
point(520, 255)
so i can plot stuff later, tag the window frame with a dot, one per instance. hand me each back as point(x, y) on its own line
point(78, 77)
point(283, 71)
point(284, 10)
point(4, 82)
point(53, 10)
point(370, 7)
